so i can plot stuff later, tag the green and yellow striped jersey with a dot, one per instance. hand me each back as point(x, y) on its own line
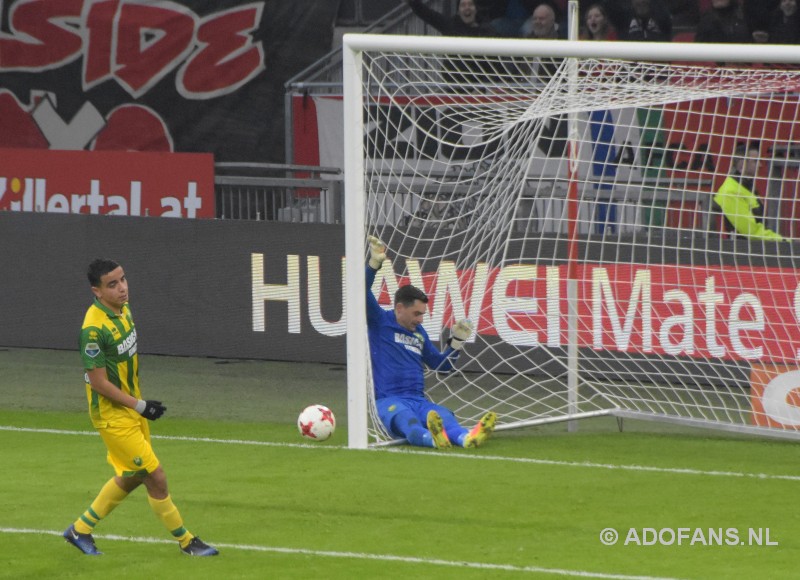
point(109, 340)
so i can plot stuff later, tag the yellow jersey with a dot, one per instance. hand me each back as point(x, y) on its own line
point(108, 340)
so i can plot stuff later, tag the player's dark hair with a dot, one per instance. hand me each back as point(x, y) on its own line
point(99, 268)
point(407, 295)
point(744, 147)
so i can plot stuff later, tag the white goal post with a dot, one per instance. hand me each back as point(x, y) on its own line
point(561, 194)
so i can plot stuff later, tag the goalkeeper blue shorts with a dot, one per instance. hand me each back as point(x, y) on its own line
point(397, 413)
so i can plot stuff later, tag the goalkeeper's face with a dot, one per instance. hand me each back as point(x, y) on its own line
point(409, 317)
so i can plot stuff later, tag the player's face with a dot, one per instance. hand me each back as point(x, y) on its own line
point(113, 289)
point(751, 164)
point(409, 317)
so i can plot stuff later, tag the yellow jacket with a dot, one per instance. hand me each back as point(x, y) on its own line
point(737, 203)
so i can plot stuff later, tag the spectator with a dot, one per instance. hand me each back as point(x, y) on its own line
point(739, 200)
point(464, 23)
point(526, 30)
point(757, 15)
point(647, 20)
point(542, 24)
point(597, 26)
point(462, 74)
point(784, 25)
point(724, 22)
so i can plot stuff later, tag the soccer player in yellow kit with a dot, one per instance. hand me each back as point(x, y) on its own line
point(120, 415)
point(738, 199)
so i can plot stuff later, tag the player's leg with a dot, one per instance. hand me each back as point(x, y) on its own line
point(115, 490)
point(155, 481)
point(162, 505)
point(437, 430)
point(110, 496)
point(458, 434)
point(79, 534)
point(454, 432)
point(136, 463)
point(401, 421)
point(482, 431)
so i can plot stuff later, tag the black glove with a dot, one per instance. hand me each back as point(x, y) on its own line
point(152, 409)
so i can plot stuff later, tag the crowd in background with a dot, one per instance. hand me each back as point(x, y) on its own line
point(739, 21)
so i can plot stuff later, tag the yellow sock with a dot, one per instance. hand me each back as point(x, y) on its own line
point(109, 497)
point(171, 518)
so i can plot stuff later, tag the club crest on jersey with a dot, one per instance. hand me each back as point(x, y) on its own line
point(137, 461)
point(92, 349)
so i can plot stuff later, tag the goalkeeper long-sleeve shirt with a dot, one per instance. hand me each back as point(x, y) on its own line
point(398, 355)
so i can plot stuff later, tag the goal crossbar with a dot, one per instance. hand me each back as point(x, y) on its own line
point(639, 51)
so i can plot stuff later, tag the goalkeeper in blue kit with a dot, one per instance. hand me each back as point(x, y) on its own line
point(400, 348)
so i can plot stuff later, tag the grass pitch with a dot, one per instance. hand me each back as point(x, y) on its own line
point(530, 504)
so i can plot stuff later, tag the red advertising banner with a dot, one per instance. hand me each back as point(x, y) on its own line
point(704, 312)
point(775, 395)
point(107, 182)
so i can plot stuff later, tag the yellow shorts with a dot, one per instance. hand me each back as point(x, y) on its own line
point(129, 449)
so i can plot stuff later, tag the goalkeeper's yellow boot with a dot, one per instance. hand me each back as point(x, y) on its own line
point(481, 431)
point(440, 438)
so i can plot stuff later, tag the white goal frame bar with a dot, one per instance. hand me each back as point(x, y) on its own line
point(353, 46)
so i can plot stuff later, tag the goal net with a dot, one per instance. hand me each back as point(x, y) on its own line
point(561, 195)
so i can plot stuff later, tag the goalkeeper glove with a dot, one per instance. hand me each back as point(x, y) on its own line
point(377, 253)
point(460, 334)
point(151, 410)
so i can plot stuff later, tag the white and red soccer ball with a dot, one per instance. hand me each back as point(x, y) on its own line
point(316, 422)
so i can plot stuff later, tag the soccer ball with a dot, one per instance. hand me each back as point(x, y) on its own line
point(316, 422)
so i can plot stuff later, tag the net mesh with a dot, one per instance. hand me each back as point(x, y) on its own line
point(494, 181)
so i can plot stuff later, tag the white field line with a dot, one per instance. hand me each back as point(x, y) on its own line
point(359, 556)
point(411, 451)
